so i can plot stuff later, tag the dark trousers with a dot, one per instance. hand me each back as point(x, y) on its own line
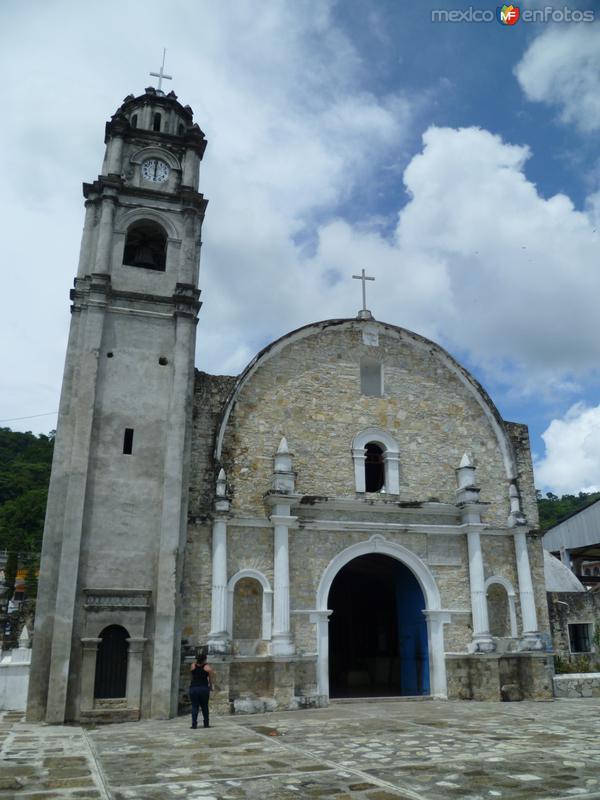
point(199, 696)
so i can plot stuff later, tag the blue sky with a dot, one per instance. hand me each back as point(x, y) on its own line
point(458, 163)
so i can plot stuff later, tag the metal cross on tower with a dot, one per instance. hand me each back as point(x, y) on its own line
point(365, 313)
point(161, 75)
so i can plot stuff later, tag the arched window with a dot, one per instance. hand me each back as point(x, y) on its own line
point(134, 121)
point(502, 615)
point(376, 461)
point(111, 663)
point(374, 468)
point(249, 605)
point(157, 121)
point(146, 246)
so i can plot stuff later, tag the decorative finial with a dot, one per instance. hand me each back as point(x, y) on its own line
point(466, 461)
point(24, 637)
point(161, 75)
point(364, 313)
point(221, 483)
point(283, 446)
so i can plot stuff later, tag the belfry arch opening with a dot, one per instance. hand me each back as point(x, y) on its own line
point(146, 246)
point(378, 643)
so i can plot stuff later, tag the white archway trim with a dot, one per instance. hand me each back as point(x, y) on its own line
point(391, 458)
point(512, 611)
point(127, 218)
point(435, 621)
point(267, 601)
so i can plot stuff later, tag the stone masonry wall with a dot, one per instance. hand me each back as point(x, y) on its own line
point(210, 393)
point(519, 436)
point(316, 380)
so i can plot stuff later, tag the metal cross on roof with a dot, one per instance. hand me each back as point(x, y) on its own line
point(363, 277)
point(161, 75)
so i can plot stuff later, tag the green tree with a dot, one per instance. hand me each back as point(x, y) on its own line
point(25, 462)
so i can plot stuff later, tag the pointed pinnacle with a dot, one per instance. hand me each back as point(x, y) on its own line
point(283, 446)
point(466, 461)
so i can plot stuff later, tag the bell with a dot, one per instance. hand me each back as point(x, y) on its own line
point(144, 256)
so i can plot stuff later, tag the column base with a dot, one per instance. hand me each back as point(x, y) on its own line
point(531, 641)
point(482, 644)
point(219, 646)
point(282, 645)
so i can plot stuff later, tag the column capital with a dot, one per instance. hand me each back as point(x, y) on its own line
point(440, 615)
point(90, 642)
point(284, 519)
point(136, 643)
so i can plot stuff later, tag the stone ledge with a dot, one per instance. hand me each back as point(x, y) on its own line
point(577, 684)
point(101, 716)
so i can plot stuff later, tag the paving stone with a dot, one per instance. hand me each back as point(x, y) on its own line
point(358, 751)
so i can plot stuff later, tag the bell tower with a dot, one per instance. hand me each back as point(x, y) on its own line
point(108, 602)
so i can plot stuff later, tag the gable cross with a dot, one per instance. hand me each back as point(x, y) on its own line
point(162, 75)
point(365, 313)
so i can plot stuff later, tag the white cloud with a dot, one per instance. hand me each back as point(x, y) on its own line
point(481, 260)
point(292, 132)
point(562, 68)
point(477, 259)
point(572, 460)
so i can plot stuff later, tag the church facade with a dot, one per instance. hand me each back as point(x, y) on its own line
point(349, 517)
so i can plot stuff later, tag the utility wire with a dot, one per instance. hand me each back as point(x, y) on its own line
point(14, 419)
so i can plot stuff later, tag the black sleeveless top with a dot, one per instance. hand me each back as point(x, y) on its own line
point(199, 677)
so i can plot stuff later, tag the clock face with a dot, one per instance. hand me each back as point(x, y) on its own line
point(155, 170)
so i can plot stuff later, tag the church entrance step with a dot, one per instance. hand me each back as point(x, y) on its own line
point(398, 699)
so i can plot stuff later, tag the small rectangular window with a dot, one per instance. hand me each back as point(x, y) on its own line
point(128, 442)
point(371, 382)
point(580, 637)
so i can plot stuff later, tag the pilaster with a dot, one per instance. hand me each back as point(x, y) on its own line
point(218, 638)
point(530, 638)
point(467, 499)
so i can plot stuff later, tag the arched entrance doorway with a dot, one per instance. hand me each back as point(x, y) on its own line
point(378, 643)
point(111, 663)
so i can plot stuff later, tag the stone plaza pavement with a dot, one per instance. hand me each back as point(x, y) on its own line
point(378, 750)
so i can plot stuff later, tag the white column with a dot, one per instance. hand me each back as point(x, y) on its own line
point(115, 151)
point(105, 235)
point(218, 640)
point(467, 499)
point(86, 238)
point(135, 654)
point(482, 638)
point(321, 618)
point(281, 642)
point(531, 637)
point(190, 168)
point(358, 456)
point(436, 619)
point(392, 472)
point(88, 672)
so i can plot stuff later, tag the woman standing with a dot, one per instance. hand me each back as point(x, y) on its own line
point(201, 684)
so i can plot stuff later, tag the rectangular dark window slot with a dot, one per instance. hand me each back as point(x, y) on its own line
point(128, 442)
point(580, 638)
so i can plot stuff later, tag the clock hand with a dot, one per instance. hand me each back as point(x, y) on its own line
point(155, 168)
